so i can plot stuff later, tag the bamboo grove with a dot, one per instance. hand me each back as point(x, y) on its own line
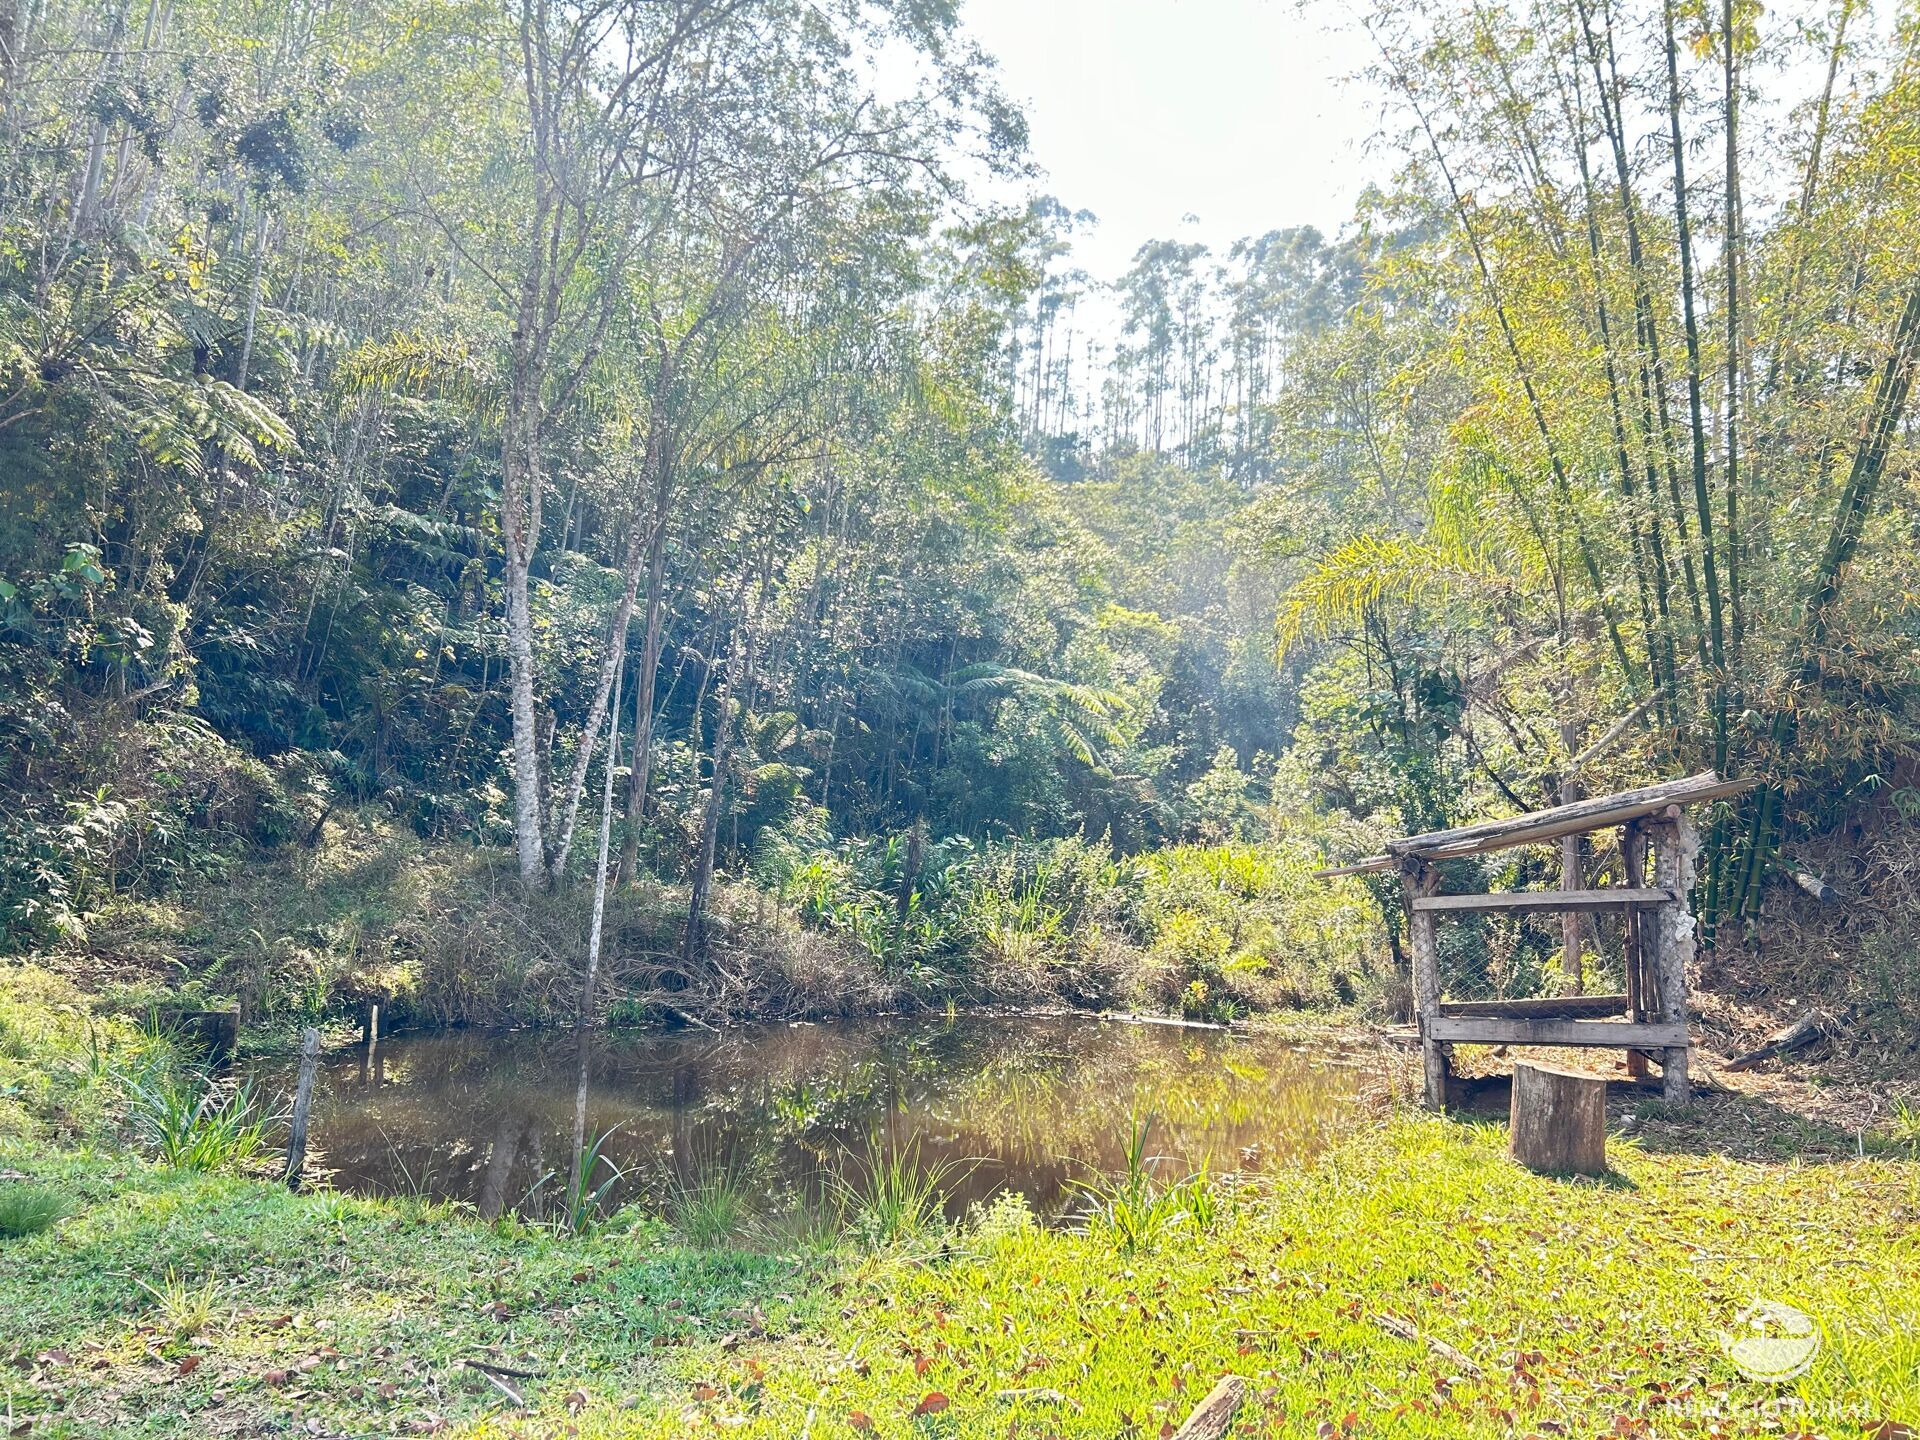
point(1618, 398)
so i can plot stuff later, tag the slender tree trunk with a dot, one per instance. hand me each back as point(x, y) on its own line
point(1884, 419)
point(694, 942)
point(608, 685)
point(589, 983)
point(526, 752)
point(1702, 500)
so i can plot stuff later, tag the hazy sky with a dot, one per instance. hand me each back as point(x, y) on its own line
point(1238, 112)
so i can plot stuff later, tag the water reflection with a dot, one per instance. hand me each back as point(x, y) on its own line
point(988, 1103)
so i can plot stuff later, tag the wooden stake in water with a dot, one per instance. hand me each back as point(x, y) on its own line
point(302, 1104)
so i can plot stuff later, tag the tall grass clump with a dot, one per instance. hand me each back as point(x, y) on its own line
point(711, 1207)
point(193, 1122)
point(1135, 1210)
point(889, 1195)
point(185, 1308)
point(27, 1209)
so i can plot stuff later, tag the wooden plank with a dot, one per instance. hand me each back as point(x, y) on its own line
point(1546, 900)
point(1675, 846)
point(1620, 1034)
point(1551, 824)
point(1367, 866)
point(302, 1104)
point(1213, 1416)
point(1634, 923)
point(1556, 1007)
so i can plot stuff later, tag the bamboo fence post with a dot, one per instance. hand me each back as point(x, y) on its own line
point(302, 1105)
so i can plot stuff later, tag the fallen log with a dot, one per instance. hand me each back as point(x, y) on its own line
point(1813, 1026)
point(1213, 1416)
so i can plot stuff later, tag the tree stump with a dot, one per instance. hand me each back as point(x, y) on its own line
point(1559, 1121)
point(217, 1031)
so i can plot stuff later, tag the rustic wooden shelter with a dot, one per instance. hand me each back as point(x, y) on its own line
point(1650, 1018)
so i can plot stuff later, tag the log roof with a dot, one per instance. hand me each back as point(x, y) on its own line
point(1594, 813)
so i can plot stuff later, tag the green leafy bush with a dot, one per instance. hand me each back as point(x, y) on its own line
point(193, 1122)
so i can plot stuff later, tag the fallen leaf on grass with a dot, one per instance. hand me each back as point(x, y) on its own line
point(188, 1365)
point(576, 1401)
point(859, 1420)
point(932, 1403)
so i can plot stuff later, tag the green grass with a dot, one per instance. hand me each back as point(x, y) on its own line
point(1412, 1282)
point(27, 1209)
point(1593, 1307)
point(712, 1208)
point(190, 1121)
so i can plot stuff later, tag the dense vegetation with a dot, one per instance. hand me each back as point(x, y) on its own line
point(472, 418)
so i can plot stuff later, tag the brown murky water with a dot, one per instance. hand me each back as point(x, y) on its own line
point(988, 1103)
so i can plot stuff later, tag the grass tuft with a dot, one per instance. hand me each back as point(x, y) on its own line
point(27, 1209)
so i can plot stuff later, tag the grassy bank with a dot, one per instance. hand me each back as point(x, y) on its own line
point(444, 933)
point(1413, 1282)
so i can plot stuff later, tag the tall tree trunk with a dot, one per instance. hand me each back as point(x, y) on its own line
point(1884, 418)
point(1702, 500)
point(589, 983)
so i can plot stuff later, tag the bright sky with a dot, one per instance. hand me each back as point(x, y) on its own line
point(1238, 112)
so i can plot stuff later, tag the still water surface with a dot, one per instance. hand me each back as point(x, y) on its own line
point(991, 1103)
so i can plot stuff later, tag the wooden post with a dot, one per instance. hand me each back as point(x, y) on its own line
point(370, 1027)
point(218, 1032)
point(1421, 879)
point(1672, 925)
point(1572, 876)
point(302, 1105)
point(1633, 855)
point(1558, 1123)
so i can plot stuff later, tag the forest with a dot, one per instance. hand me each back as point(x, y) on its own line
point(632, 518)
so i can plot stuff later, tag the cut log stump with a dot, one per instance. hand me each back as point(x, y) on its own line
point(1559, 1121)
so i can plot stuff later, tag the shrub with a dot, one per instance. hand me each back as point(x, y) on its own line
point(192, 1122)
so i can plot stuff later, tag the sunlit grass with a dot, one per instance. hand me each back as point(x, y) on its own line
point(185, 1309)
point(891, 1194)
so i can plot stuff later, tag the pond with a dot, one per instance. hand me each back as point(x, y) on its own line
point(981, 1103)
